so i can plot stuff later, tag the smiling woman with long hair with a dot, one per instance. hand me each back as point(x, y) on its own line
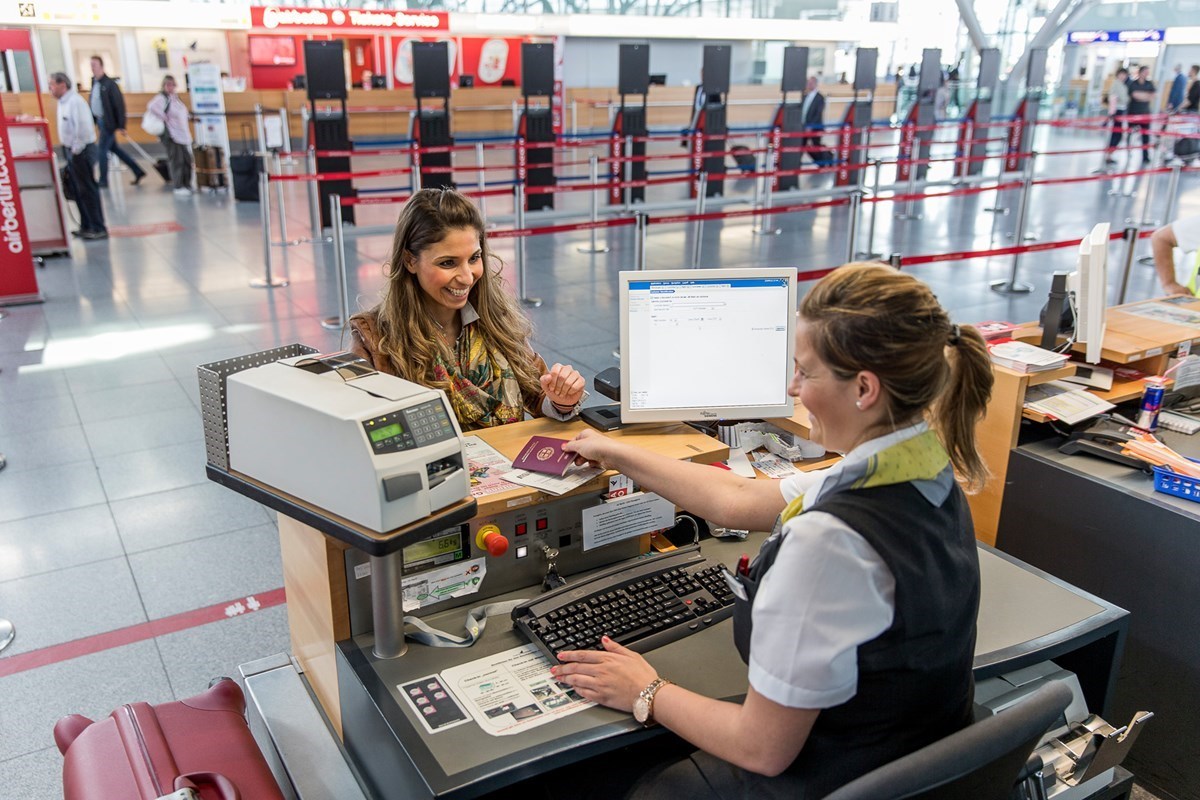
point(445, 321)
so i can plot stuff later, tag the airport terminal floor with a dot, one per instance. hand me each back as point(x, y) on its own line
point(130, 576)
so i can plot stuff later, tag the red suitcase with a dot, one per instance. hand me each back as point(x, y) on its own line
point(144, 752)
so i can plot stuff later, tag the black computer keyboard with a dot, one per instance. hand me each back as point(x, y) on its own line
point(647, 604)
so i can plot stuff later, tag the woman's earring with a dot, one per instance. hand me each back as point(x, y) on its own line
point(858, 404)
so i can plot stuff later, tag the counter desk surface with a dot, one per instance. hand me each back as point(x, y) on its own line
point(1026, 617)
point(1103, 527)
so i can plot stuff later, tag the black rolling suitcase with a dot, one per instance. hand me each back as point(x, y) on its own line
point(160, 164)
point(245, 168)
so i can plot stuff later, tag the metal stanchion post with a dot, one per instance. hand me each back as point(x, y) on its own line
point(522, 286)
point(1022, 236)
point(287, 132)
point(768, 195)
point(281, 195)
point(339, 266)
point(314, 209)
point(481, 179)
point(1147, 204)
point(1172, 193)
point(639, 249)
point(516, 117)
point(1130, 237)
point(870, 253)
point(264, 212)
point(260, 128)
point(304, 127)
point(594, 173)
point(698, 245)
point(756, 201)
point(852, 233)
point(7, 633)
point(627, 171)
point(894, 260)
point(1012, 285)
point(910, 204)
point(574, 118)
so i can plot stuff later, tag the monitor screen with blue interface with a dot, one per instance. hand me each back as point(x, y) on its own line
point(706, 344)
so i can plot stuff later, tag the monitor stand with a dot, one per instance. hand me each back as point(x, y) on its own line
point(605, 418)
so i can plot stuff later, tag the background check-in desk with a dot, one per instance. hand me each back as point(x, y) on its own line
point(1129, 339)
point(1101, 526)
point(1026, 617)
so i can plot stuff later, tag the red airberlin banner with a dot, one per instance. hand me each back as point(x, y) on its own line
point(17, 281)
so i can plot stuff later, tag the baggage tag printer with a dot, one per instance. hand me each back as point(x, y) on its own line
point(374, 449)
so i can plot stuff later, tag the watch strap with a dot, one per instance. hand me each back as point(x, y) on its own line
point(648, 695)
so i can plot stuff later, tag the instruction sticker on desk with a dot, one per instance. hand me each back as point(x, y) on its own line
point(513, 691)
point(434, 706)
point(625, 518)
point(455, 580)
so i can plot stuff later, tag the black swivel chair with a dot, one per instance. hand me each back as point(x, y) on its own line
point(981, 762)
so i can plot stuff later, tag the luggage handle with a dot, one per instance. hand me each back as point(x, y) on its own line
point(223, 785)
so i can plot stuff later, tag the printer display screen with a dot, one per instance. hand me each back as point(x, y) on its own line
point(379, 434)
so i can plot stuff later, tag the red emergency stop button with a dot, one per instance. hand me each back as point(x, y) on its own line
point(490, 538)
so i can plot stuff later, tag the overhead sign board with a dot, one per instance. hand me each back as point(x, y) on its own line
point(1116, 37)
point(278, 17)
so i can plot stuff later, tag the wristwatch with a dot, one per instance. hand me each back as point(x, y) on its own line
point(643, 707)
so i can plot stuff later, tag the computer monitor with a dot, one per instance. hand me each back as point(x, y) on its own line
point(1090, 283)
point(706, 344)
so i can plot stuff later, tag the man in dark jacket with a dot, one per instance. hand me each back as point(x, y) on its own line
point(813, 109)
point(108, 108)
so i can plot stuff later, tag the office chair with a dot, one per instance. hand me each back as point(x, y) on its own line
point(980, 762)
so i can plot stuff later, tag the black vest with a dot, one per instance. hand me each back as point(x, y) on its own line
point(915, 683)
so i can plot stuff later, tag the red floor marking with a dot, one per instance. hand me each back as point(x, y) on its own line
point(138, 633)
point(126, 231)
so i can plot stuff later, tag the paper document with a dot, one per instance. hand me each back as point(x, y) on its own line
point(773, 466)
point(1165, 312)
point(487, 467)
point(513, 691)
point(1065, 402)
point(573, 479)
point(626, 517)
point(1187, 373)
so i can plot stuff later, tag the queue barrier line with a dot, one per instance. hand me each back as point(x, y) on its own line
point(964, 255)
point(520, 233)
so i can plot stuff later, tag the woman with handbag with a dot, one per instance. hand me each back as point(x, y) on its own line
point(167, 118)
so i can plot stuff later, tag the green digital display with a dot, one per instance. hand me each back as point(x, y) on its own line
point(432, 548)
point(386, 432)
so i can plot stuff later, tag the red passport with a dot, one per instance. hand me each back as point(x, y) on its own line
point(544, 454)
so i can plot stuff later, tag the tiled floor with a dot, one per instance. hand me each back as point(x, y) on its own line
point(106, 518)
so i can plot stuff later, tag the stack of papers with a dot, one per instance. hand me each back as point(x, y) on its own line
point(1024, 357)
point(1066, 402)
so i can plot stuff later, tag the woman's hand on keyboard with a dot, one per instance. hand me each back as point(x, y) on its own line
point(612, 677)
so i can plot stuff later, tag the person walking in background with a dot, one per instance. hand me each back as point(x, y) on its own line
point(1192, 104)
point(1175, 95)
point(176, 137)
point(78, 138)
point(1141, 100)
point(812, 111)
point(1118, 103)
point(108, 109)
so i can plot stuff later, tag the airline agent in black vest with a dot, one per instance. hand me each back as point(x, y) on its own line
point(859, 627)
